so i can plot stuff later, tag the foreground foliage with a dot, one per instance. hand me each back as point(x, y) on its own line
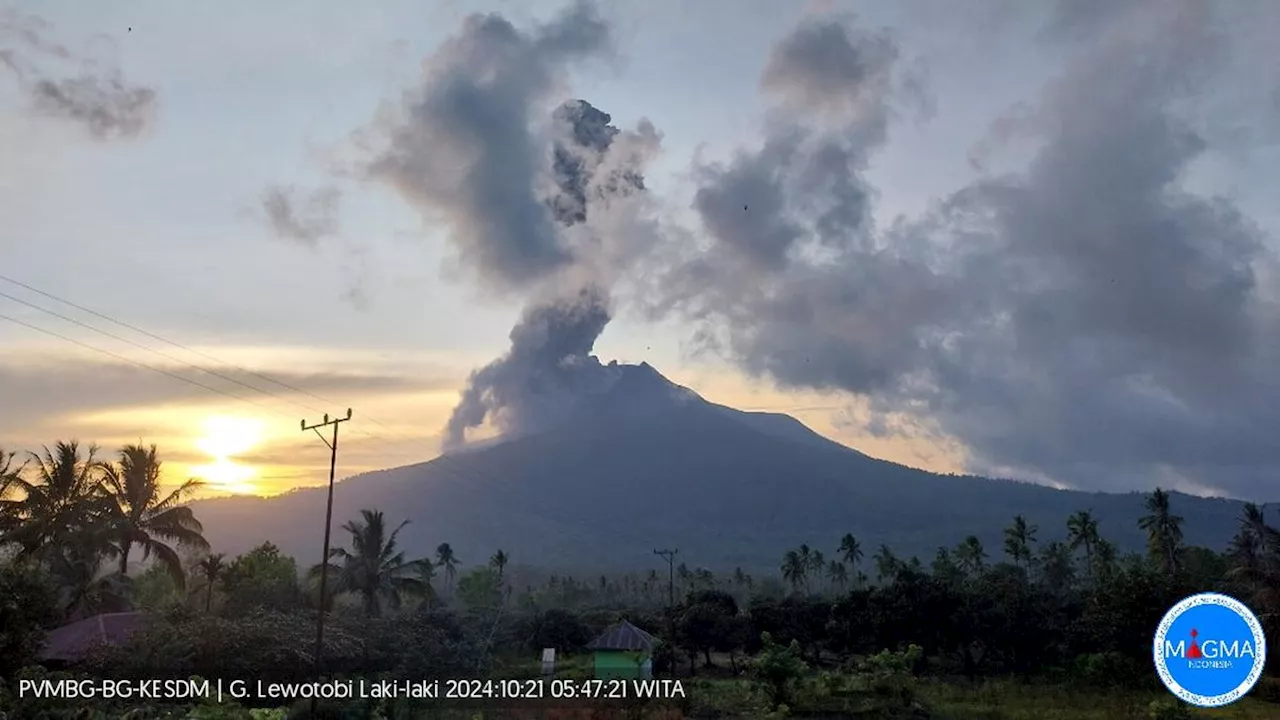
point(1059, 630)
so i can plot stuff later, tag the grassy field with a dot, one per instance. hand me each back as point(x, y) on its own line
point(1015, 701)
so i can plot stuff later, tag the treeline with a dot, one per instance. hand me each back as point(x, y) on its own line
point(1076, 609)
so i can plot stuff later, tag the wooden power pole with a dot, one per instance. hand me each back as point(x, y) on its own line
point(670, 555)
point(328, 520)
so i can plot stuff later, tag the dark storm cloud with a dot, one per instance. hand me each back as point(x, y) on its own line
point(464, 147)
point(301, 217)
point(96, 95)
point(1086, 321)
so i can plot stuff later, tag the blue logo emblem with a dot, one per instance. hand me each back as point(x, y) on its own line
point(1209, 650)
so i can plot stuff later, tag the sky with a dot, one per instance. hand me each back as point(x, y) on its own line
point(1031, 240)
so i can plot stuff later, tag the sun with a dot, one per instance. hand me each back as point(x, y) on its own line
point(227, 476)
point(225, 437)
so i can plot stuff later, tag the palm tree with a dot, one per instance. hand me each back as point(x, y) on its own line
point(1056, 569)
point(794, 569)
point(447, 560)
point(1082, 532)
point(210, 567)
point(838, 574)
point(1164, 530)
point(76, 566)
point(704, 579)
point(944, 567)
point(684, 576)
point(1256, 546)
point(499, 562)
point(64, 498)
point(138, 514)
point(887, 564)
point(817, 566)
point(1256, 552)
point(851, 551)
point(372, 568)
point(427, 575)
point(1018, 539)
point(8, 483)
point(970, 556)
point(1104, 558)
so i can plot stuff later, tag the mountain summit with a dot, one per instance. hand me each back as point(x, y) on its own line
point(645, 462)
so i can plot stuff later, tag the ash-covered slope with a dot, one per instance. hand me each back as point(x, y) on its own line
point(648, 463)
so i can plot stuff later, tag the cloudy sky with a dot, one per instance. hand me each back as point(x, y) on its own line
point(1024, 239)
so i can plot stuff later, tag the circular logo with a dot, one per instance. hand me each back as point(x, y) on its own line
point(1209, 650)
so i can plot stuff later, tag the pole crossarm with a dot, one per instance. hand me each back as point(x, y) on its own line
point(670, 556)
point(328, 522)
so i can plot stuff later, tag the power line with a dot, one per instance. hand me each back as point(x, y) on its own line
point(138, 363)
point(170, 357)
point(191, 350)
point(328, 522)
point(147, 366)
point(670, 556)
point(139, 345)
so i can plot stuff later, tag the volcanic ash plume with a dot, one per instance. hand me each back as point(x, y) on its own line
point(479, 147)
point(541, 378)
point(549, 367)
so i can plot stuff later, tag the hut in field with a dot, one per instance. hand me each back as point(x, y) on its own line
point(623, 651)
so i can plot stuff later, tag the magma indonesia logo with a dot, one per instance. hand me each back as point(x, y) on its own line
point(1209, 650)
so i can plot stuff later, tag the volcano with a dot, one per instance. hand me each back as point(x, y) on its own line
point(646, 463)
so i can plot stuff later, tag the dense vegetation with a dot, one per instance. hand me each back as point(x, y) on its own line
point(856, 632)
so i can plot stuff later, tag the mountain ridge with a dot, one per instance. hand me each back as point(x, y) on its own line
point(648, 463)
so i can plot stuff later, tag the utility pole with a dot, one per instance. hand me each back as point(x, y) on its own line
point(328, 520)
point(670, 555)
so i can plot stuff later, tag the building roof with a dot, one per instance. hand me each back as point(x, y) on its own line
point(72, 642)
point(623, 636)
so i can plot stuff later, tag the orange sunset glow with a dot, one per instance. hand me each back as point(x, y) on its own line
point(224, 438)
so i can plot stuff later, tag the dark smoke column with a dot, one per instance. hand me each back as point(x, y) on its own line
point(549, 367)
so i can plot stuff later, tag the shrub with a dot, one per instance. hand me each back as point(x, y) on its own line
point(1168, 709)
point(1109, 669)
point(27, 601)
point(778, 668)
point(892, 674)
point(324, 710)
point(1267, 689)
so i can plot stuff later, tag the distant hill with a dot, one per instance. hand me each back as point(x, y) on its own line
point(651, 464)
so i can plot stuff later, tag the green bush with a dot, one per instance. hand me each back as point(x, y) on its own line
point(892, 674)
point(1110, 669)
point(1267, 689)
point(27, 601)
point(726, 699)
point(778, 668)
point(1168, 709)
point(324, 710)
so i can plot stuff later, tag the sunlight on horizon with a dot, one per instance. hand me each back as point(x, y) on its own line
point(224, 438)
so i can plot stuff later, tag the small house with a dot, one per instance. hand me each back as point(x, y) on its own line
point(623, 651)
point(73, 642)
